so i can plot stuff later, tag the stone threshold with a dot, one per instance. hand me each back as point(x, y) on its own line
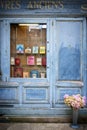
point(40, 119)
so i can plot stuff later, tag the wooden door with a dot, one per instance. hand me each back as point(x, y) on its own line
point(69, 59)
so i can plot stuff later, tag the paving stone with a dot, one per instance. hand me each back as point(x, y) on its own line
point(40, 126)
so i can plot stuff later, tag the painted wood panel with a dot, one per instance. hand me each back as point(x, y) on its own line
point(69, 51)
point(64, 54)
point(70, 91)
point(8, 94)
point(35, 94)
point(0, 51)
point(78, 7)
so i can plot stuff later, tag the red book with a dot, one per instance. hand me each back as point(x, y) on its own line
point(44, 61)
point(18, 72)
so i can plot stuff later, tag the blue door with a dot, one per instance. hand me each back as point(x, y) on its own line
point(65, 66)
point(69, 58)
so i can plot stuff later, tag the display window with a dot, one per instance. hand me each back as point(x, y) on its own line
point(28, 50)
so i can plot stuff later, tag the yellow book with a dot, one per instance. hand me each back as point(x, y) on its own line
point(25, 74)
point(42, 50)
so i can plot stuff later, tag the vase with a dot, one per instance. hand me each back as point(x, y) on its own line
point(74, 118)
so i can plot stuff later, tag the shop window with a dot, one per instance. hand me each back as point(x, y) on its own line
point(28, 50)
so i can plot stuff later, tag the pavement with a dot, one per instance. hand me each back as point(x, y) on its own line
point(40, 126)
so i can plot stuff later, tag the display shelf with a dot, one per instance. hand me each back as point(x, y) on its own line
point(28, 51)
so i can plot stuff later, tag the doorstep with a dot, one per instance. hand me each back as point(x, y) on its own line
point(41, 119)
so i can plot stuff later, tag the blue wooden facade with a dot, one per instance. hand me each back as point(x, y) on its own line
point(66, 22)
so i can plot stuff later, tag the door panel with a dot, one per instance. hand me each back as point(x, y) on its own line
point(68, 67)
point(69, 50)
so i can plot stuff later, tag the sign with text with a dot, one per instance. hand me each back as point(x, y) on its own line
point(45, 4)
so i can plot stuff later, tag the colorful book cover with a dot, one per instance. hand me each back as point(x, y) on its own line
point(39, 61)
point(34, 74)
point(42, 74)
point(20, 48)
point(35, 49)
point(12, 61)
point(28, 50)
point(44, 61)
point(17, 61)
point(30, 60)
point(18, 72)
point(42, 50)
point(25, 74)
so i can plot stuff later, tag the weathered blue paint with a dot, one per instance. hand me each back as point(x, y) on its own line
point(0, 51)
point(69, 91)
point(66, 56)
point(36, 6)
point(7, 94)
point(35, 94)
point(69, 63)
point(69, 49)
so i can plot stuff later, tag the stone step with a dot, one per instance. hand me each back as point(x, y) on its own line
point(41, 119)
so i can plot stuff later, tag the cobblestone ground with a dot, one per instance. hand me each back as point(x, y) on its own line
point(40, 126)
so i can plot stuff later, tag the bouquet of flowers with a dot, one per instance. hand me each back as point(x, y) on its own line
point(75, 101)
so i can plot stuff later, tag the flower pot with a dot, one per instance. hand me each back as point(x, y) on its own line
point(74, 118)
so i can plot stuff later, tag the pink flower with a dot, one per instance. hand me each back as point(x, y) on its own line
point(75, 101)
point(66, 96)
point(84, 98)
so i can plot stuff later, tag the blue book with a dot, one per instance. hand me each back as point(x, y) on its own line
point(20, 48)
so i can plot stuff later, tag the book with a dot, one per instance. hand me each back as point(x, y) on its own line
point(35, 49)
point(25, 74)
point(19, 48)
point(39, 61)
point(17, 61)
point(30, 60)
point(12, 61)
point(42, 74)
point(28, 50)
point(18, 72)
point(42, 49)
point(34, 74)
point(44, 61)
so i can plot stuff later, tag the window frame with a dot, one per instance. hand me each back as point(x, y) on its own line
point(6, 47)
